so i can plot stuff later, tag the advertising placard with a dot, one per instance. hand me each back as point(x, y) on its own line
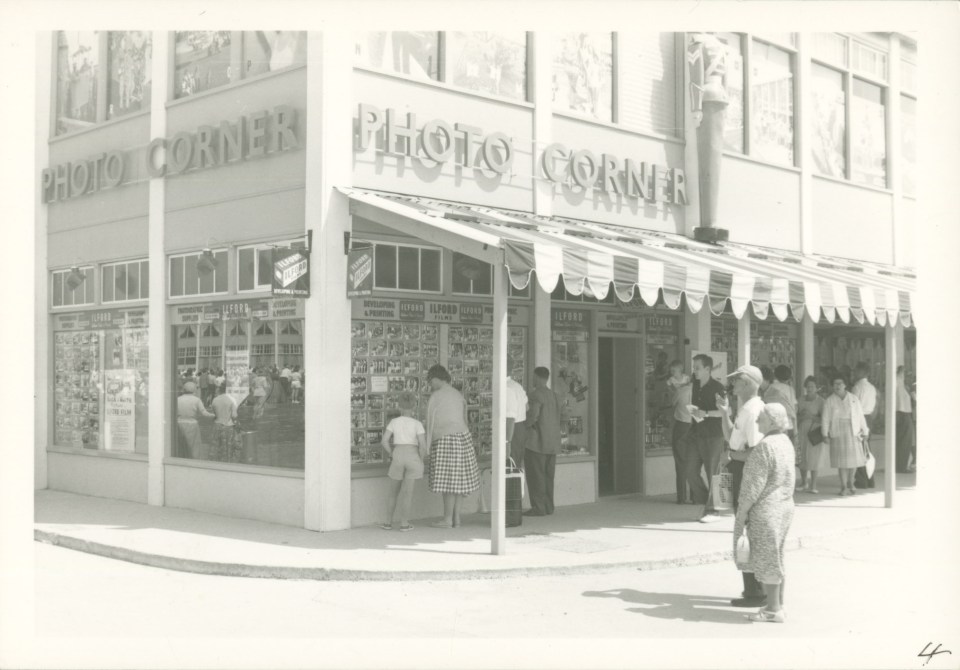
point(119, 415)
point(360, 272)
point(238, 373)
point(291, 273)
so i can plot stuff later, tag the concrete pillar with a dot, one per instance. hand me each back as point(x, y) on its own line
point(159, 404)
point(696, 328)
point(804, 112)
point(498, 457)
point(327, 354)
point(691, 163)
point(43, 381)
point(808, 354)
point(894, 125)
point(539, 75)
point(890, 410)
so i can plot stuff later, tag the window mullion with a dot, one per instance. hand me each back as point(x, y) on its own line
point(103, 76)
point(848, 118)
point(442, 56)
point(747, 49)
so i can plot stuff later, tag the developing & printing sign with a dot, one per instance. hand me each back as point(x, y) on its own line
point(360, 272)
point(291, 273)
point(428, 311)
point(438, 141)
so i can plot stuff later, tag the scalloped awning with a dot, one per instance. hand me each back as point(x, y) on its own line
point(598, 258)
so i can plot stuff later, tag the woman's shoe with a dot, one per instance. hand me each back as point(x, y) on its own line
point(813, 491)
point(766, 616)
point(405, 528)
point(386, 526)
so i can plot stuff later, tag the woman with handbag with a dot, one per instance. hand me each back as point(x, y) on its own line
point(765, 509)
point(814, 455)
point(844, 427)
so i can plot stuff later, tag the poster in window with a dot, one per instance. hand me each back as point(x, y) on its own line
point(119, 410)
point(238, 373)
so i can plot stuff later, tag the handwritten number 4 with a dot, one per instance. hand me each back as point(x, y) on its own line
point(931, 653)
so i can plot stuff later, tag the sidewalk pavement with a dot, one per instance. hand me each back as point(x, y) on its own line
point(613, 534)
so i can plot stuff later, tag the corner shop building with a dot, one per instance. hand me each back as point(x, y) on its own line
point(490, 253)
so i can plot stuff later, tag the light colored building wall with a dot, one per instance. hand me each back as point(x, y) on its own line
point(123, 478)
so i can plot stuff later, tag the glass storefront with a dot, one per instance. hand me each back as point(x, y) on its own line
point(100, 380)
point(251, 351)
point(570, 376)
point(394, 343)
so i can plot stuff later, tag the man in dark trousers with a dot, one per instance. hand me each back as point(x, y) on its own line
point(543, 444)
point(706, 442)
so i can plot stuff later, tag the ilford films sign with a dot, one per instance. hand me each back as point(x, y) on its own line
point(438, 141)
point(251, 136)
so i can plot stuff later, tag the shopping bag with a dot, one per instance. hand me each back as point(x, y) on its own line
point(515, 482)
point(742, 554)
point(721, 490)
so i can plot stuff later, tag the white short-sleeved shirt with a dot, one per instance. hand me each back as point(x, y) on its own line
point(745, 432)
point(516, 401)
point(405, 430)
point(867, 395)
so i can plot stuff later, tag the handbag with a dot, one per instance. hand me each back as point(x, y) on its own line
point(721, 489)
point(515, 480)
point(815, 435)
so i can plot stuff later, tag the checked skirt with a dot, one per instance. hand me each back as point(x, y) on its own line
point(453, 465)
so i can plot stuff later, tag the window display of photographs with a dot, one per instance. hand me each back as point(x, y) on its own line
point(358, 384)
point(378, 348)
point(374, 401)
point(429, 333)
point(411, 332)
point(78, 362)
point(411, 349)
point(358, 330)
point(395, 350)
point(394, 331)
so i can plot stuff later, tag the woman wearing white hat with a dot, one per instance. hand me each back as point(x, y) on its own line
point(189, 410)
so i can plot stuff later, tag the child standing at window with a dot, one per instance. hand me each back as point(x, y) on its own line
point(406, 460)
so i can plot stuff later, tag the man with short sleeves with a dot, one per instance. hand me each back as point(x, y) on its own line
point(516, 420)
point(543, 444)
point(706, 443)
point(742, 436)
point(866, 393)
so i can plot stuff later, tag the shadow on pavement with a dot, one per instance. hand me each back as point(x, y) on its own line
point(676, 606)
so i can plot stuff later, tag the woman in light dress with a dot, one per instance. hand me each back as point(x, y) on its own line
point(844, 428)
point(814, 458)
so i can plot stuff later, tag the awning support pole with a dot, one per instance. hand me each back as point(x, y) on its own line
point(499, 466)
point(743, 340)
point(890, 410)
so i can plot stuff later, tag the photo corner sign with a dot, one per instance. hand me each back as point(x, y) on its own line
point(291, 273)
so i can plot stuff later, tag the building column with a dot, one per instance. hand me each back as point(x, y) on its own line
point(890, 408)
point(691, 161)
point(802, 128)
point(542, 96)
point(327, 484)
point(893, 126)
point(43, 105)
point(696, 329)
point(159, 405)
point(808, 354)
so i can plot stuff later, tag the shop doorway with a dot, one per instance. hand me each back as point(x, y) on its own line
point(620, 438)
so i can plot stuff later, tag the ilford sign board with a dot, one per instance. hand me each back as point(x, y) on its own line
point(251, 136)
point(438, 141)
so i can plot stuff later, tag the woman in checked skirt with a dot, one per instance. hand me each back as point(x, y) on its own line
point(453, 461)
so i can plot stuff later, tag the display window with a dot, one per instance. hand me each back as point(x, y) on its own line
point(244, 363)
point(395, 342)
point(570, 377)
point(662, 345)
point(101, 374)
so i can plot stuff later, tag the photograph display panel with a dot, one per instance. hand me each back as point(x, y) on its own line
point(662, 345)
point(569, 379)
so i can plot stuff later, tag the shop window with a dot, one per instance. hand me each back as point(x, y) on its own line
point(269, 429)
point(771, 104)
point(272, 50)
point(868, 134)
point(908, 144)
point(647, 90)
point(869, 61)
point(416, 54)
point(406, 268)
point(734, 124)
point(489, 62)
point(129, 85)
point(470, 276)
point(583, 74)
point(100, 386)
point(830, 48)
point(569, 378)
point(202, 61)
point(68, 289)
point(828, 121)
point(125, 281)
point(255, 264)
point(78, 71)
point(199, 274)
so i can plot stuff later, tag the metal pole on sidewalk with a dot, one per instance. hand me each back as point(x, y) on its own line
point(890, 409)
point(498, 519)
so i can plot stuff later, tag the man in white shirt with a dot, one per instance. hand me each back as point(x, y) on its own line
point(742, 436)
point(285, 382)
point(866, 393)
point(516, 420)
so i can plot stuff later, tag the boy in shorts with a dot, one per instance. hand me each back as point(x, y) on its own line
point(406, 460)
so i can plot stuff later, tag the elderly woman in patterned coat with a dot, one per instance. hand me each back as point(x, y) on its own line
point(766, 508)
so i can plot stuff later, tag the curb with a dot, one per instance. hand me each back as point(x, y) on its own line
point(345, 574)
